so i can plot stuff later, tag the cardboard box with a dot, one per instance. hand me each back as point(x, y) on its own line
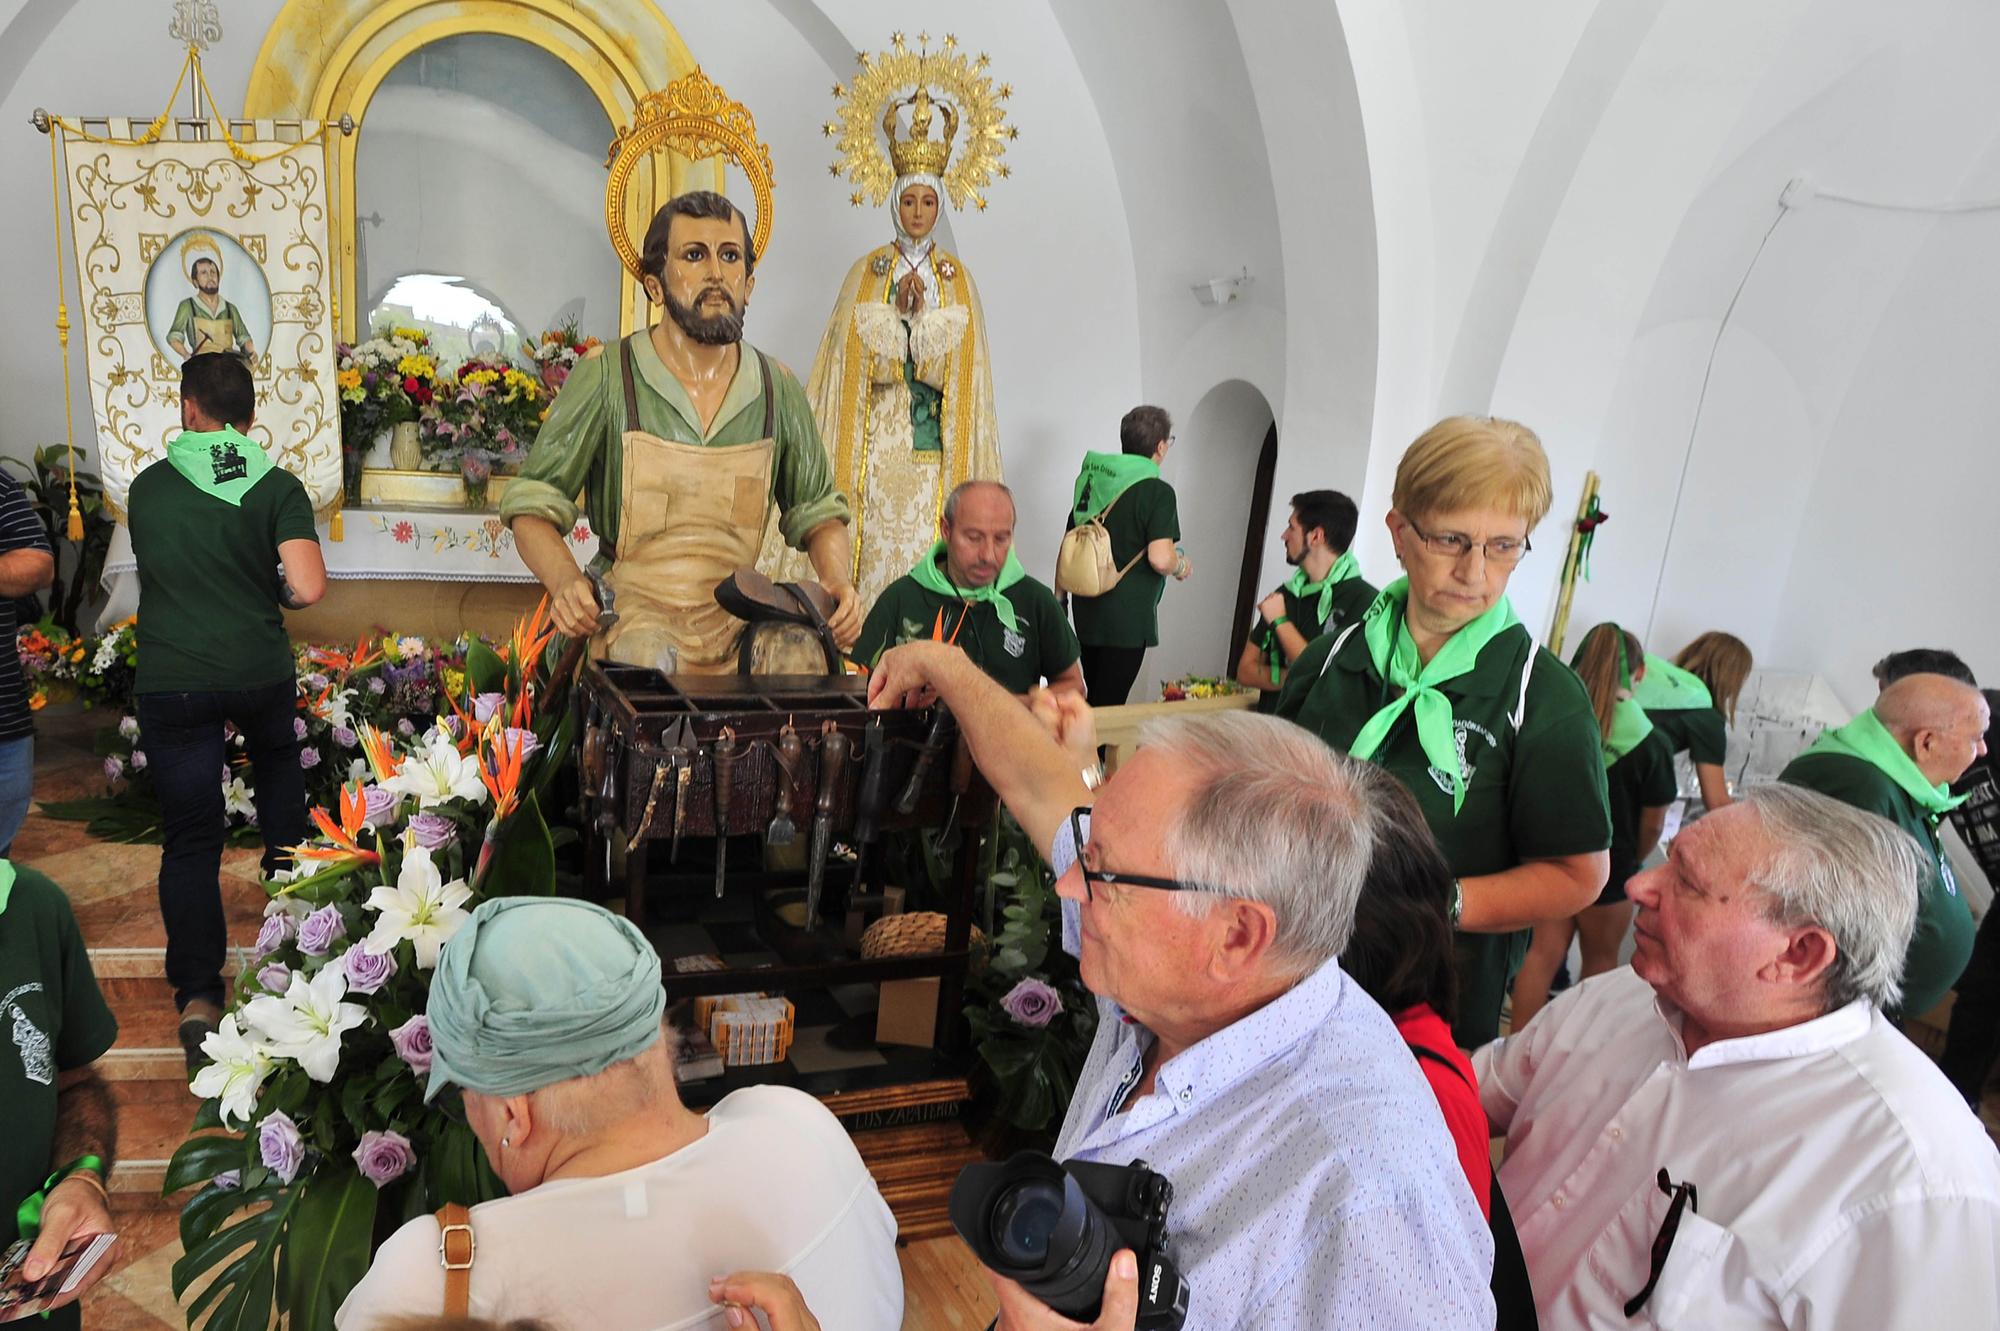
point(908, 1014)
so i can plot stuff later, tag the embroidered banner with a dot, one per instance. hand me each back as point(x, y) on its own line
point(185, 247)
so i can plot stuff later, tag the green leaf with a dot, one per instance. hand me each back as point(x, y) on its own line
point(485, 672)
point(327, 1248)
point(206, 1211)
point(200, 1159)
point(524, 863)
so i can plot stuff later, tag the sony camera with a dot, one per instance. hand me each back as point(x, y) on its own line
point(1053, 1228)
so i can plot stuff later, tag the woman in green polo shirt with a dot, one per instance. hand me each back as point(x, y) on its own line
point(1639, 775)
point(1443, 686)
point(1691, 700)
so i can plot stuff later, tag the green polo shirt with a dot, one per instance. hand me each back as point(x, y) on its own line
point(581, 447)
point(1129, 614)
point(209, 617)
point(1039, 647)
point(1942, 943)
point(1699, 730)
point(1642, 779)
point(56, 1017)
point(1351, 599)
point(1532, 794)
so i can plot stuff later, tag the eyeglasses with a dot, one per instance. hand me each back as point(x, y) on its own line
point(1502, 550)
point(1091, 875)
point(1683, 1199)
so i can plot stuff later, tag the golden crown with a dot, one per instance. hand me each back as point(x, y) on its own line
point(965, 96)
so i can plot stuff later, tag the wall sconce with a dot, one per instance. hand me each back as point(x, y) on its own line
point(1222, 290)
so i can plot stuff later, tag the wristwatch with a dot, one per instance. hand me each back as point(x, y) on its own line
point(1457, 901)
point(1093, 776)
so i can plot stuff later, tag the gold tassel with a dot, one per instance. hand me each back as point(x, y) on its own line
point(75, 514)
point(336, 527)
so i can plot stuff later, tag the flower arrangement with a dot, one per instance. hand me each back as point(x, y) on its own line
point(383, 382)
point(1032, 1020)
point(556, 353)
point(1199, 686)
point(489, 411)
point(58, 666)
point(313, 1132)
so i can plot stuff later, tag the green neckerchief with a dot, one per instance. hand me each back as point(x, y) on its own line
point(1104, 477)
point(6, 883)
point(1394, 655)
point(1668, 688)
point(1629, 727)
point(930, 575)
point(221, 462)
point(1865, 738)
point(1343, 568)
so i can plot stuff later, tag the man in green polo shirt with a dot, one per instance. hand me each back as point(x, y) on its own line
point(681, 438)
point(970, 590)
point(1142, 517)
point(55, 1155)
point(1325, 593)
point(1898, 759)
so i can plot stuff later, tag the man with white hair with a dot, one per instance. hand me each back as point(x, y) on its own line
point(1898, 759)
point(1729, 1134)
point(1208, 893)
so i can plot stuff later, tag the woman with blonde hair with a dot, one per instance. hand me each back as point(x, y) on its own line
point(1639, 776)
point(1692, 702)
point(1442, 685)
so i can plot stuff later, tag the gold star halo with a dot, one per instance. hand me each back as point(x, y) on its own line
point(953, 78)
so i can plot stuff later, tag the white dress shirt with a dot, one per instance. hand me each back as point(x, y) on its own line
point(1840, 1180)
point(1315, 1183)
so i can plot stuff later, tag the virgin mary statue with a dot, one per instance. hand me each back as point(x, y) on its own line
point(902, 384)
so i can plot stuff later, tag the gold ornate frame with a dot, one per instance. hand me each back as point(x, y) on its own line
point(694, 119)
point(325, 58)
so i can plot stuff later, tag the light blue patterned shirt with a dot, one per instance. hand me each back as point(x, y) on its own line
point(1315, 1183)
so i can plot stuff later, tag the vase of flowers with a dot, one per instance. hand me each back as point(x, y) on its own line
point(489, 408)
point(406, 447)
point(556, 353)
point(384, 382)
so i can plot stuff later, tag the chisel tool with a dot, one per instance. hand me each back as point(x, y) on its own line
point(725, 780)
point(833, 748)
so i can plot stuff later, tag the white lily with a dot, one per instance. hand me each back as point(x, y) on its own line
point(421, 907)
point(307, 1023)
point(235, 1073)
point(438, 772)
point(340, 708)
point(236, 798)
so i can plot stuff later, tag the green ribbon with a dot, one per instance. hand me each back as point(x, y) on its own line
point(28, 1216)
point(1343, 568)
point(6, 883)
point(1393, 652)
point(1668, 688)
point(1104, 477)
point(931, 576)
point(1586, 528)
point(1866, 738)
point(221, 463)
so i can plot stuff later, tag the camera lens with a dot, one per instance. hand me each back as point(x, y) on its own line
point(1023, 1217)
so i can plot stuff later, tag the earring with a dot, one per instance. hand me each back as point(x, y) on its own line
point(505, 1142)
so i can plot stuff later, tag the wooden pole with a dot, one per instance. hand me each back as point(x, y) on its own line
point(1572, 564)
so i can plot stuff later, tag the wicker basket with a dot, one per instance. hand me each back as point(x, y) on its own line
point(914, 934)
point(750, 1031)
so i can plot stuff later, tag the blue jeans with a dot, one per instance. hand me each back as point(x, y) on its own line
point(17, 787)
point(185, 750)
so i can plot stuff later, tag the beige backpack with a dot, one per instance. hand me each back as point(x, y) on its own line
point(1084, 563)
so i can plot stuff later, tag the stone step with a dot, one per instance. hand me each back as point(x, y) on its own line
point(154, 1118)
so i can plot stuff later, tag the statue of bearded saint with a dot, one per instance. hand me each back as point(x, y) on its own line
point(902, 385)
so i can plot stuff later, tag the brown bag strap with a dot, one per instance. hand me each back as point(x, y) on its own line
point(456, 1249)
point(631, 384)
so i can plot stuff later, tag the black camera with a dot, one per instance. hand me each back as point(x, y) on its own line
point(1053, 1228)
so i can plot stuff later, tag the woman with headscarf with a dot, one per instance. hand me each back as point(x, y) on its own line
point(547, 1014)
point(1442, 685)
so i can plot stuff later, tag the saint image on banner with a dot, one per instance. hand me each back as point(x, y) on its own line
point(206, 319)
point(902, 384)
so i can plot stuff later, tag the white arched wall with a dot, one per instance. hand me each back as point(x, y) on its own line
point(1212, 466)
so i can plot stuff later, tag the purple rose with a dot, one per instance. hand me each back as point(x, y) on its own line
point(514, 735)
point(384, 1157)
point(280, 1146)
point(309, 757)
point(277, 930)
point(1032, 1003)
point(138, 760)
point(376, 685)
point(319, 931)
point(316, 680)
point(277, 977)
point(114, 768)
point(433, 831)
point(404, 728)
point(128, 726)
point(381, 805)
point(229, 1180)
point(367, 971)
point(345, 738)
point(484, 705)
point(299, 727)
point(413, 1043)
